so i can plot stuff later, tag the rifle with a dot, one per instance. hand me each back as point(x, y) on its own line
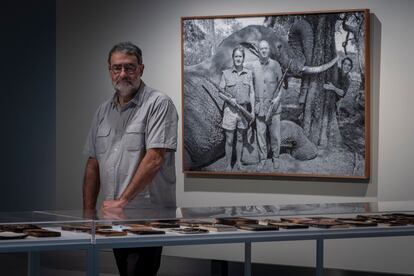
point(279, 96)
point(227, 99)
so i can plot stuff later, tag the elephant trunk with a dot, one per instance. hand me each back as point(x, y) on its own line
point(320, 68)
point(301, 40)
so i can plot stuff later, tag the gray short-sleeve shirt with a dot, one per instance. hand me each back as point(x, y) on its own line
point(119, 137)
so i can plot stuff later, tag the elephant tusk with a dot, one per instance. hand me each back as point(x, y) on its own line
point(319, 69)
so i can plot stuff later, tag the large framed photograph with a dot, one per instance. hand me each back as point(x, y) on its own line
point(277, 94)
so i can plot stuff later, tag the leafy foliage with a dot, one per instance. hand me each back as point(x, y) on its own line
point(203, 36)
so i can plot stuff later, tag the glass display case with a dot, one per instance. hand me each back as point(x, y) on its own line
point(155, 226)
point(37, 231)
point(41, 228)
point(118, 222)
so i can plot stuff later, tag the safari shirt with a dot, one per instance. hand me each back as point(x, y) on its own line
point(238, 84)
point(119, 137)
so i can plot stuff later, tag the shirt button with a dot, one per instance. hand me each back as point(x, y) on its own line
point(115, 149)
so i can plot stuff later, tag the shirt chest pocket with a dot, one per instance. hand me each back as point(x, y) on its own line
point(102, 139)
point(135, 137)
point(246, 82)
point(231, 87)
point(230, 82)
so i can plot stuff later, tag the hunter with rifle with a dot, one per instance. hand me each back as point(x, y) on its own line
point(236, 89)
point(267, 79)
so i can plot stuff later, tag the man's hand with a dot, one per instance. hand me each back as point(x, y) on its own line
point(113, 213)
point(233, 101)
point(329, 86)
point(117, 203)
point(253, 118)
point(114, 209)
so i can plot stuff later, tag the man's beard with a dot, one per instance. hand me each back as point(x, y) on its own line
point(126, 88)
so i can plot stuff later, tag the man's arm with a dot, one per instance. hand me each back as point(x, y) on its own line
point(222, 84)
point(146, 171)
point(91, 184)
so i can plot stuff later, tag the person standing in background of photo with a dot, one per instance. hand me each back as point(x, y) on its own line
point(343, 80)
point(267, 74)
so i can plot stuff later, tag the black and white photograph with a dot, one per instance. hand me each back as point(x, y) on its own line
point(282, 94)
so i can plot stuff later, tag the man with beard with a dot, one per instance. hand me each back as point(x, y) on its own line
point(131, 146)
point(266, 76)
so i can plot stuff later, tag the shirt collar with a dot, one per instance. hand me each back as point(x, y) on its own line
point(137, 99)
point(234, 70)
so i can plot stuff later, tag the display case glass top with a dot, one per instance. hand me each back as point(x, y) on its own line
point(159, 213)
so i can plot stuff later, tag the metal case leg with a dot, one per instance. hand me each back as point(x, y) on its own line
point(33, 264)
point(319, 257)
point(247, 258)
point(92, 262)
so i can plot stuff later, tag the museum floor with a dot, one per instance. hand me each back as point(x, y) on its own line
point(73, 264)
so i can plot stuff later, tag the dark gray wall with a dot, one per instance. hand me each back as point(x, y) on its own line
point(27, 72)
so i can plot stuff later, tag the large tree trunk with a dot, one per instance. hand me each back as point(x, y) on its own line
point(358, 33)
point(320, 121)
point(213, 37)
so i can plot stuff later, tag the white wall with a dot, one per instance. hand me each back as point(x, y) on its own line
point(86, 30)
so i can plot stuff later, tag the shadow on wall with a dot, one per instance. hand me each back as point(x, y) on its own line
point(311, 186)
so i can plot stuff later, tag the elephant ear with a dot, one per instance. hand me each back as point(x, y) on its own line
point(301, 41)
point(251, 47)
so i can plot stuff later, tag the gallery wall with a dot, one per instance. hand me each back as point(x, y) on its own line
point(87, 30)
point(28, 38)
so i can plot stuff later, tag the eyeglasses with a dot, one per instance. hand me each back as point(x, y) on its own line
point(129, 68)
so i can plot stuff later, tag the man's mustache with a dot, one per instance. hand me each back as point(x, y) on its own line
point(124, 81)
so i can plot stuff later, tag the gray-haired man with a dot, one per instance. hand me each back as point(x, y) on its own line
point(131, 146)
point(266, 76)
